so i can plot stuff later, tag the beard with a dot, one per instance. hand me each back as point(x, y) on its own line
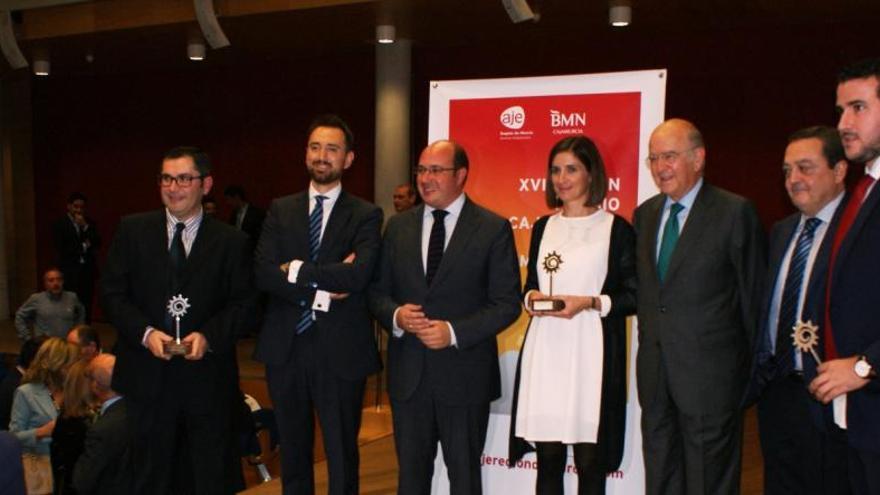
point(320, 176)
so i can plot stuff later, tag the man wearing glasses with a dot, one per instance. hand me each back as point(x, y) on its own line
point(447, 283)
point(315, 258)
point(700, 261)
point(178, 404)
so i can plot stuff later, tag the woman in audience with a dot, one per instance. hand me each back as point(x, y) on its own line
point(68, 438)
point(571, 378)
point(35, 407)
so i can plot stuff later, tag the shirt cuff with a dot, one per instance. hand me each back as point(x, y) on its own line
point(146, 334)
point(396, 331)
point(321, 301)
point(606, 305)
point(293, 270)
point(453, 341)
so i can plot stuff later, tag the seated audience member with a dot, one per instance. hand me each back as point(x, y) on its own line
point(86, 338)
point(13, 378)
point(11, 472)
point(76, 416)
point(35, 407)
point(102, 466)
point(51, 312)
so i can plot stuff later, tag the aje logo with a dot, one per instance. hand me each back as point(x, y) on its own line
point(513, 117)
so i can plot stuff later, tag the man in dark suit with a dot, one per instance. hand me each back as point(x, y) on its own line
point(245, 216)
point(315, 258)
point(701, 260)
point(447, 283)
point(178, 404)
point(848, 377)
point(103, 465)
point(800, 455)
point(76, 242)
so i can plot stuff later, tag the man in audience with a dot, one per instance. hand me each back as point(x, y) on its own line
point(700, 261)
point(245, 216)
point(86, 338)
point(51, 312)
point(851, 331)
point(448, 282)
point(209, 205)
point(178, 397)
point(103, 465)
point(76, 242)
point(801, 455)
point(315, 258)
point(11, 469)
point(13, 378)
point(404, 197)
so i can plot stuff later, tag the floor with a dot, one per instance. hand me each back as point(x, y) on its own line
point(378, 460)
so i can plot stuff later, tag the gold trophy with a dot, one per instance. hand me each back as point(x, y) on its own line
point(177, 307)
point(805, 337)
point(550, 265)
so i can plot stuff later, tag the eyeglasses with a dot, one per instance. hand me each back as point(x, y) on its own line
point(432, 170)
point(667, 157)
point(182, 180)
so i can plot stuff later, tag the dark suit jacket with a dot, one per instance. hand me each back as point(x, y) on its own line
point(476, 288)
point(855, 313)
point(620, 285)
point(102, 467)
point(345, 333)
point(8, 385)
point(216, 280)
point(700, 324)
point(69, 248)
point(252, 224)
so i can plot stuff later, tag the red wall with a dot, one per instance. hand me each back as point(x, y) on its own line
point(747, 89)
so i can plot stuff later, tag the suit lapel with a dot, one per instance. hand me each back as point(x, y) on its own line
point(653, 213)
point(203, 245)
point(698, 220)
point(866, 210)
point(299, 226)
point(339, 217)
point(411, 244)
point(820, 266)
point(466, 225)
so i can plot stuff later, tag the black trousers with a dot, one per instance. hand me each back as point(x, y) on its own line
point(798, 456)
point(864, 472)
point(299, 390)
point(420, 423)
point(552, 457)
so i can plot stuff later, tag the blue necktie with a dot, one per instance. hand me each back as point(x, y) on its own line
point(316, 220)
point(669, 240)
point(791, 294)
point(435, 244)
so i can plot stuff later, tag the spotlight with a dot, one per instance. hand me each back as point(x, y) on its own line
point(195, 50)
point(41, 65)
point(619, 13)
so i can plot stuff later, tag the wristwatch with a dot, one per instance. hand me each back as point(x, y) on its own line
point(863, 368)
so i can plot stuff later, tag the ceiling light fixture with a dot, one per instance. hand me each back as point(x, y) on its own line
point(195, 50)
point(41, 64)
point(385, 33)
point(619, 13)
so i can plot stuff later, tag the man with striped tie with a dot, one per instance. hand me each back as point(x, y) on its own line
point(314, 259)
point(802, 454)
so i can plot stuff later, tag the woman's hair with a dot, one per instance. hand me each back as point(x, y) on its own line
point(51, 363)
point(78, 398)
point(585, 150)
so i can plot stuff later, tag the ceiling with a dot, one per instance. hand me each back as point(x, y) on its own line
point(131, 36)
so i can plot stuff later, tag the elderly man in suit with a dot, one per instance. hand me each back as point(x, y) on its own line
point(203, 266)
point(447, 283)
point(852, 334)
point(700, 261)
point(802, 452)
point(76, 241)
point(315, 258)
point(102, 468)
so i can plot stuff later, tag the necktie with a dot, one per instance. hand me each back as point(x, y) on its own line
point(846, 221)
point(435, 244)
point(316, 221)
point(177, 253)
point(791, 294)
point(669, 240)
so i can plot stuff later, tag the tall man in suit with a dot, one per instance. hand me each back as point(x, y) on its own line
point(801, 455)
point(447, 283)
point(700, 261)
point(851, 330)
point(102, 468)
point(76, 242)
point(315, 258)
point(245, 216)
point(178, 405)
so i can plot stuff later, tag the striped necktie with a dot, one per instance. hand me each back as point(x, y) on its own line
point(316, 221)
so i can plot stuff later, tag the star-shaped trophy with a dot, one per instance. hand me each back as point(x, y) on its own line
point(177, 307)
point(805, 337)
point(550, 265)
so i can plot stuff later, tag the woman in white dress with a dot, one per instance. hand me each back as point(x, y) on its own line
point(571, 378)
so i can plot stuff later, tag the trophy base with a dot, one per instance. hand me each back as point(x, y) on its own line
point(177, 349)
point(547, 304)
